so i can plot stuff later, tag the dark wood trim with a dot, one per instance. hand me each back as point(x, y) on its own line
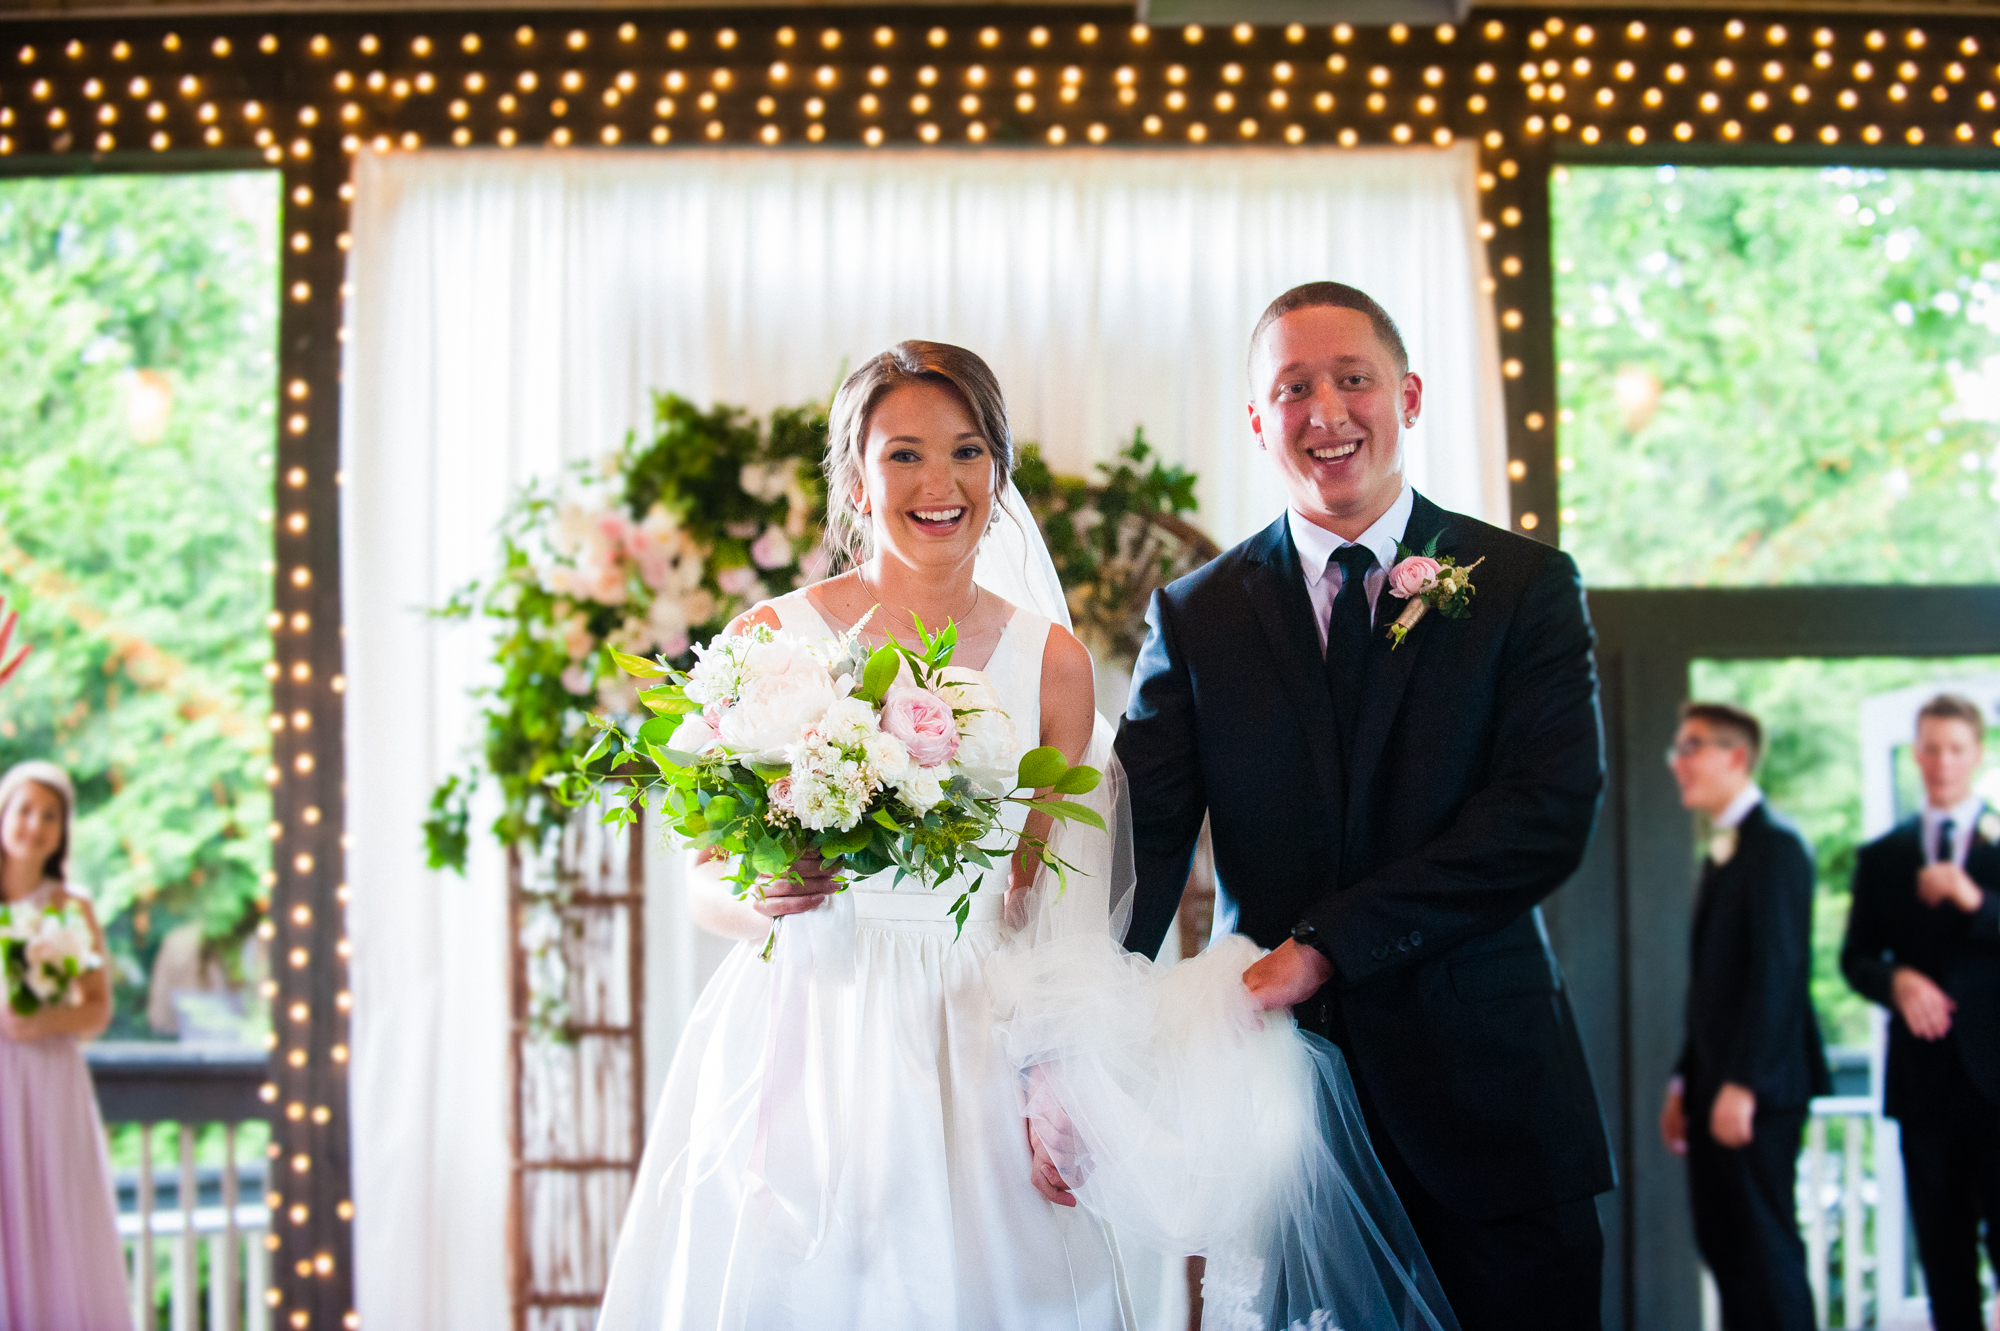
point(142, 1082)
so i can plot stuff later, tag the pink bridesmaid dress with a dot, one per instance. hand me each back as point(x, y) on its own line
point(61, 1267)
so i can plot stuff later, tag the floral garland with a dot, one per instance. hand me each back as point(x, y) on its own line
point(655, 548)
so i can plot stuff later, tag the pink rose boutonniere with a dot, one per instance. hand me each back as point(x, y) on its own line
point(1428, 583)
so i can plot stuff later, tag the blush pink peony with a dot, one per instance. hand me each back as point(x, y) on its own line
point(924, 723)
point(1410, 576)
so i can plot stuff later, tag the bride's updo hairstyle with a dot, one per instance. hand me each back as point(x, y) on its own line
point(940, 363)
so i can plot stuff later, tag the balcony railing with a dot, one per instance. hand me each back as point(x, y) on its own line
point(196, 1234)
point(1851, 1210)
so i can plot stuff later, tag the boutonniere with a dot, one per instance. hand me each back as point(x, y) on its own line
point(1722, 846)
point(1988, 827)
point(1428, 583)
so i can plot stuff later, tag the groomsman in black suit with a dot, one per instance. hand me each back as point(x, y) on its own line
point(1924, 941)
point(1387, 816)
point(1753, 1059)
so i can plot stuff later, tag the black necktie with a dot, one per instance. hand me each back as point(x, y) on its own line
point(1945, 833)
point(1349, 634)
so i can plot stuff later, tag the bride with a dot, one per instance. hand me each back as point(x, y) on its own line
point(890, 1124)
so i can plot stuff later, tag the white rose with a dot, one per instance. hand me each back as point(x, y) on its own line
point(774, 710)
point(922, 788)
point(988, 749)
point(887, 756)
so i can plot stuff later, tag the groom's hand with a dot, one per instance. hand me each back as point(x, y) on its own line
point(1287, 975)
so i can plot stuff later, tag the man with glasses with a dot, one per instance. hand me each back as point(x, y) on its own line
point(1753, 1059)
point(1923, 940)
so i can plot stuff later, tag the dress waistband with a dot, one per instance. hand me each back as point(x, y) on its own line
point(924, 904)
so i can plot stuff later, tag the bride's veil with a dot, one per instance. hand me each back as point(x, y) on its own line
point(1180, 1115)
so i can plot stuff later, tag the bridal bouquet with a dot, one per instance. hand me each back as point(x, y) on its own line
point(43, 952)
point(774, 745)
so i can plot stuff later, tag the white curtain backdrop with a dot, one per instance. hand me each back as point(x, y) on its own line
point(511, 312)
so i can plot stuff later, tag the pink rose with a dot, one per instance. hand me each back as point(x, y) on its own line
point(924, 723)
point(1412, 575)
point(780, 794)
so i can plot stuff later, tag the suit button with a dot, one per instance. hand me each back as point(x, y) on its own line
point(1381, 953)
point(1402, 945)
point(1416, 939)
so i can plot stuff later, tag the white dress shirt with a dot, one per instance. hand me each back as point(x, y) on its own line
point(1738, 809)
point(1317, 546)
point(1964, 819)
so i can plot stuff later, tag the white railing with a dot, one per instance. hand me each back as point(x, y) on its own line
point(230, 1284)
point(1851, 1216)
point(192, 1235)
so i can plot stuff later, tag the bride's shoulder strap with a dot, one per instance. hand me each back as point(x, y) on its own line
point(797, 614)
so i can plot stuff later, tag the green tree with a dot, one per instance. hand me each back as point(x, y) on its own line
point(137, 391)
point(1779, 375)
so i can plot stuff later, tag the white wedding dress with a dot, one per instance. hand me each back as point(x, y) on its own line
point(840, 1143)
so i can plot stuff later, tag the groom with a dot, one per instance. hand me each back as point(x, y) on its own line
point(1386, 819)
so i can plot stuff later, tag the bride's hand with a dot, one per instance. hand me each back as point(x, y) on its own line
point(1048, 1180)
point(815, 884)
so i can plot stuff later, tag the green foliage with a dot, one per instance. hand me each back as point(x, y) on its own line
point(706, 488)
point(1811, 770)
point(1115, 540)
point(137, 392)
point(1779, 375)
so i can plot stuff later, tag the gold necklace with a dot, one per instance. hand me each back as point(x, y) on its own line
point(862, 576)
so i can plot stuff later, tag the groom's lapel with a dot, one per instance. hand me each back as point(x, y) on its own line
point(1388, 676)
point(1277, 593)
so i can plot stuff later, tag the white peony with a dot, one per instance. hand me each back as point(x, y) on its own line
point(922, 788)
point(780, 654)
point(989, 752)
point(774, 710)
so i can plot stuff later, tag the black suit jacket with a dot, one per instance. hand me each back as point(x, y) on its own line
point(1749, 1004)
point(1475, 778)
point(1888, 926)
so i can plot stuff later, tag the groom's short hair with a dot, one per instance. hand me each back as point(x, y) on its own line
point(1335, 296)
point(1731, 725)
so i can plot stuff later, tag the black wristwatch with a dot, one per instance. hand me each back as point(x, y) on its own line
point(1305, 935)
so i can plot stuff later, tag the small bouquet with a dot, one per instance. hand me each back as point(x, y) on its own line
point(1428, 583)
point(774, 745)
point(43, 952)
